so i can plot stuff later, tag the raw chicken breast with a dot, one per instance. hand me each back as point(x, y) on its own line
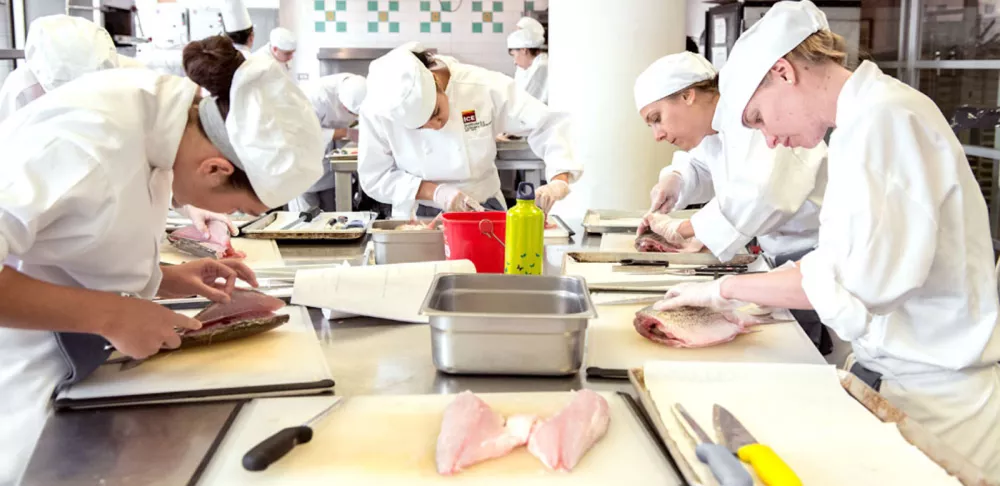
point(561, 441)
point(471, 432)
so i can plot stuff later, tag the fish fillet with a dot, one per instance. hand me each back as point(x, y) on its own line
point(243, 304)
point(471, 432)
point(693, 327)
point(654, 243)
point(217, 244)
point(561, 441)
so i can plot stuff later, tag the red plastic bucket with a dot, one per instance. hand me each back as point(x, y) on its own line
point(477, 237)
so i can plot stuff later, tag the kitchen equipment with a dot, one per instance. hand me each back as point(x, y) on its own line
point(396, 246)
point(476, 236)
point(508, 324)
point(723, 464)
point(304, 217)
point(562, 230)
point(389, 440)
point(283, 441)
point(259, 253)
point(765, 462)
point(603, 221)
point(525, 241)
point(270, 227)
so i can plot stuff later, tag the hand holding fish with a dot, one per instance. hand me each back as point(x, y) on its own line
point(698, 294)
point(139, 328)
point(200, 219)
point(201, 277)
point(665, 226)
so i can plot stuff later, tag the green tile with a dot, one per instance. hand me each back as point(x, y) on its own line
point(529, 6)
point(425, 6)
point(341, 5)
point(498, 6)
point(319, 5)
point(341, 26)
point(425, 27)
point(394, 27)
point(320, 26)
point(394, 6)
point(445, 6)
point(477, 6)
point(477, 27)
point(497, 28)
point(446, 27)
point(372, 5)
point(372, 27)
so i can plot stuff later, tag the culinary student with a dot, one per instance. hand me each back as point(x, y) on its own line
point(336, 100)
point(87, 180)
point(281, 47)
point(532, 64)
point(904, 266)
point(427, 135)
point(237, 25)
point(751, 190)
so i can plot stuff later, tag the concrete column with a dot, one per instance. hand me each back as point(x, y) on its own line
point(596, 50)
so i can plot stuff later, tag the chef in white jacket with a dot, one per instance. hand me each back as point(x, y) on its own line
point(525, 46)
point(750, 190)
point(337, 101)
point(904, 267)
point(237, 25)
point(88, 174)
point(428, 129)
point(281, 47)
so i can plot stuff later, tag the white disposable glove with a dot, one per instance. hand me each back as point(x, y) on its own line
point(452, 200)
point(698, 294)
point(665, 193)
point(547, 195)
point(664, 226)
point(200, 218)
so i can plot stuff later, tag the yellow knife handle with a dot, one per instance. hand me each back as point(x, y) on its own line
point(768, 466)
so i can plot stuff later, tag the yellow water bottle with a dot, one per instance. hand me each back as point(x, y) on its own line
point(525, 234)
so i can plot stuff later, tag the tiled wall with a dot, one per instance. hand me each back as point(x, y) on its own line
point(472, 31)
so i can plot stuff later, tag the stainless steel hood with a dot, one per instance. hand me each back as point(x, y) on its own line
point(335, 60)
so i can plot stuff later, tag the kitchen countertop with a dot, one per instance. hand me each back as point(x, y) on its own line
point(366, 356)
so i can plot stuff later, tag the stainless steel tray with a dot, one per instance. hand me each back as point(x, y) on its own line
point(508, 324)
point(599, 221)
point(675, 258)
point(394, 246)
point(259, 229)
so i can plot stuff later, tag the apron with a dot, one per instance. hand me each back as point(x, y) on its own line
point(808, 319)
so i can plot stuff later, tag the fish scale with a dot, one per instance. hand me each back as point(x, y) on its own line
point(693, 327)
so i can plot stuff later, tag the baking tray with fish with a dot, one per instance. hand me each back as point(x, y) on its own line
point(914, 433)
point(669, 258)
point(318, 229)
point(599, 221)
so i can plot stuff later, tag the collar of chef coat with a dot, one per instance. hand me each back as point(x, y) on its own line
point(847, 102)
point(175, 98)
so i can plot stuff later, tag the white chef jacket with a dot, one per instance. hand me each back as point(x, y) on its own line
point(83, 202)
point(535, 79)
point(244, 49)
point(19, 88)
point(904, 268)
point(393, 160)
point(752, 191)
point(266, 51)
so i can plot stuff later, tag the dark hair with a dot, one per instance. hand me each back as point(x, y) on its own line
point(426, 58)
point(241, 36)
point(692, 46)
point(534, 51)
point(211, 63)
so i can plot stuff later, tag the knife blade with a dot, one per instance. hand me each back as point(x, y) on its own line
point(283, 441)
point(304, 217)
point(723, 464)
point(771, 469)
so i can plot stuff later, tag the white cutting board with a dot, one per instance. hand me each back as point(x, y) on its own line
point(613, 342)
point(260, 253)
point(390, 440)
point(288, 354)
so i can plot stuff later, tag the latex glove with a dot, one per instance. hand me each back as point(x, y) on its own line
point(698, 294)
point(200, 218)
point(547, 195)
point(451, 199)
point(202, 277)
point(664, 226)
point(665, 193)
point(139, 328)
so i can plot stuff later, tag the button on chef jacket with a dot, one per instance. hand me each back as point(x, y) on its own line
point(752, 191)
point(535, 79)
point(393, 160)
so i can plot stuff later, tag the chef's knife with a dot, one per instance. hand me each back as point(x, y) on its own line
point(765, 462)
point(304, 217)
point(282, 442)
point(723, 464)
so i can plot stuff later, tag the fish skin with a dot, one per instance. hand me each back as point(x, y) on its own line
point(241, 301)
point(694, 327)
point(471, 432)
point(217, 245)
point(561, 441)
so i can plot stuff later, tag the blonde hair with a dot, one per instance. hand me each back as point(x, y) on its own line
point(710, 86)
point(823, 46)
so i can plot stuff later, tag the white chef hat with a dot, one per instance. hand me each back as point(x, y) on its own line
point(61, 48)
point(283, 39)
point(782, 29)
point(351, 92)
point(528, 23)
point(271, 131)
point(525, 38)
point(401, 88)
point(235, 16)
point(670, 74)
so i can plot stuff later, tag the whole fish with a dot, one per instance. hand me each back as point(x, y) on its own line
point(654, 243)
point(217, 245)
point(248, 313)
point(694, 327)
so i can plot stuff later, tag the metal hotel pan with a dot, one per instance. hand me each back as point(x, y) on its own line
point(508, 324)
point(394, 246)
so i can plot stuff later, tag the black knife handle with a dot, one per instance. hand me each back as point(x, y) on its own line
point(311, 214)
point(275, 447)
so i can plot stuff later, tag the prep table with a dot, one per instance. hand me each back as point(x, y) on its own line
point(366, 356)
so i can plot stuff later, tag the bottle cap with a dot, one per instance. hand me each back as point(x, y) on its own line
point(525, 191)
